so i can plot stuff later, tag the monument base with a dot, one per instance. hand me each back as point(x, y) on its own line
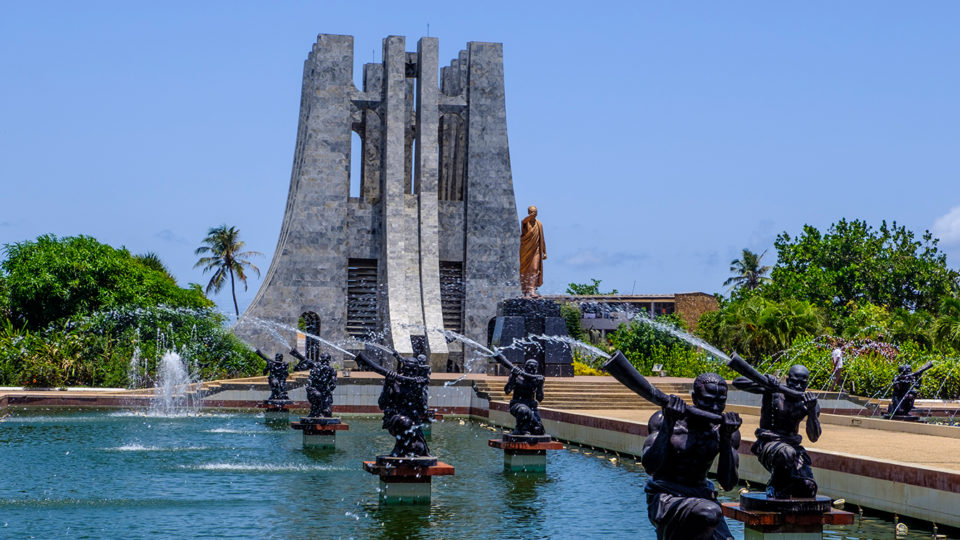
point(525, 456)
point(406, 480)
point(319, 432)
point(520, 318)
point(784, 519)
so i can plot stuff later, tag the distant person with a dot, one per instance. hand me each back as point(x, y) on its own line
point(837, 357)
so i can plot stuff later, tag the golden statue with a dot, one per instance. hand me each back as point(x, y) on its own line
point(533, 250)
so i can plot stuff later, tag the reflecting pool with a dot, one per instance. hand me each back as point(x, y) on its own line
point(222, 475)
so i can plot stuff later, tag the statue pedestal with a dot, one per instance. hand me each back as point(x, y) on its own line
point(784, 519)
point(518, 318)
point(432, 416)
point(276, 411)
point(525, 453)
point(406, 480)
point(319, 432)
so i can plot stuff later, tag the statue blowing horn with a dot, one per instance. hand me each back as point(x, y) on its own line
point(379, 369)
point(623, 371)
point(742, 367)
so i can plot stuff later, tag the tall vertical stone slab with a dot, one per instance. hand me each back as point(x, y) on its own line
point(370, 160)
point(427, 179)
point(395, 247)
point(492, 267)
point(307, 271)
point(435, 225)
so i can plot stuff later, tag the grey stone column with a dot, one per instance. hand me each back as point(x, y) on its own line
point(492, 265)
point(370, 168)
point(426, 172)
point(308, 270)
point(394, 248)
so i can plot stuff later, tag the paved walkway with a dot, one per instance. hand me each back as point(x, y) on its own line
point(917, 449)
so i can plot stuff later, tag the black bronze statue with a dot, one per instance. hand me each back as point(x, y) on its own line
point(905, 386)
point(404, 402)
point(527, 388)
point(278, 372)
point(778, 437)
point(681, 446)
point(320, 386)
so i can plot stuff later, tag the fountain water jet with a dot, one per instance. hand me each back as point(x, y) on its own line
point(171, 394)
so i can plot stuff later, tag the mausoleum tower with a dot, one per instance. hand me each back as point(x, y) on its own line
point(433, 239)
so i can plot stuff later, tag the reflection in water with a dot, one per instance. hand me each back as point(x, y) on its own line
point(522, 496)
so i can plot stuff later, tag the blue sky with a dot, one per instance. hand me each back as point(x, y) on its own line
point(658, 139)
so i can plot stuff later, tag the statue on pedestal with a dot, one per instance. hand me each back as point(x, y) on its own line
point(905, 385)
point(278, 372)
point(403, 401)
point(778, 437)
point(677, 454)
point(533, 251)
point(320, 386)
point(527, 388)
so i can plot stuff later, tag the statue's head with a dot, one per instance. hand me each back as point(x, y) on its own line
point(324, 358)
point(532, 211)
point(278, 358)
point(531, 366)
point(904, 369)
point(710, 392)
point(422, 358)
point(407, 366)
point(798, 377)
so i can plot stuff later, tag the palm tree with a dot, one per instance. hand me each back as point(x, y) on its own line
point(225, 258)
point(152, 261)
point(748, 274)
point(947, 326)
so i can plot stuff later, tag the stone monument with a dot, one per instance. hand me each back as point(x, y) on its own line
point(526, 319)
point(431, 240)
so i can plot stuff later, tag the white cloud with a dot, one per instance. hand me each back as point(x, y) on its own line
point(947, 227)
point(170, 236)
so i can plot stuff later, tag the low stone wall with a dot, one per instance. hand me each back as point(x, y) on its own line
point(900, 488)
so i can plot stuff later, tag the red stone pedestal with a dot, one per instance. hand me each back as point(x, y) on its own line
point(774, 525)
point(525, 456)
point(319, 432)
point(406, 484)
point(276, 411)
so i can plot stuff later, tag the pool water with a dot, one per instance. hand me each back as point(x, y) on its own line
point(229, 475)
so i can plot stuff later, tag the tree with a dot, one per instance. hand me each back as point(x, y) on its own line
point(852, 262)
point(225, 259)
point(52, 279)
point(152, 260)
point(756, 327)
point(584, 289)
point(747, 272)
point(947, 327)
